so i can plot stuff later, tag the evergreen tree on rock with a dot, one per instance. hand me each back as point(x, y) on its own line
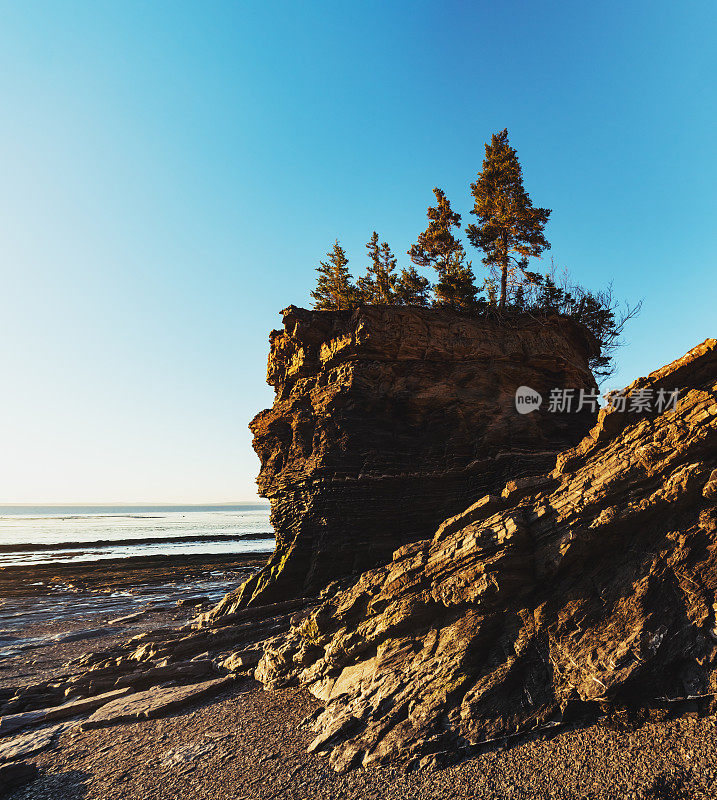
point(333, 286)
point(456, 288)
point(509, 228)
point(412, 289)
point(378, 286)
point(437, 247)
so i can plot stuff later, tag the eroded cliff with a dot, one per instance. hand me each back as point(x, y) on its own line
point(387, 420)
point(589, 588)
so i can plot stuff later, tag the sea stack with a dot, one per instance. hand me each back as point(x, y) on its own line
point(388, 420)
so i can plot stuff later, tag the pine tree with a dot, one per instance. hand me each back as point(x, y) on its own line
point(333, 287)
point(379, 284)
point(386, 279)
point(509, 228)
point(412, 289)
point(456, 288)
point(437, 244)
point(366, 284)
point(437, 247)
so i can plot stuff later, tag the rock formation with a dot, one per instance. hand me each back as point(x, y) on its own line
point(587, 588)
point(388, 420)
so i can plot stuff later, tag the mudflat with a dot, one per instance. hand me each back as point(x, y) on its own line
point(117, 574)
point(47, 610)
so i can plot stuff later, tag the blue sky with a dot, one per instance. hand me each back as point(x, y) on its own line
point(173, 171)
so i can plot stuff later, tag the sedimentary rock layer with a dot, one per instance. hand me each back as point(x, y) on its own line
point(388, 419)
point(591, 587)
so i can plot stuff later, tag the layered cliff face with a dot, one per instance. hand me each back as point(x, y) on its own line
point(590, 588)
point(387, 420)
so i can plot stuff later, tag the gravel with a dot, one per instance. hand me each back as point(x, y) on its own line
point(248, 743)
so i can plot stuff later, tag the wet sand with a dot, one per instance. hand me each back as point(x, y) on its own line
point(113, 574)
point(41, 603)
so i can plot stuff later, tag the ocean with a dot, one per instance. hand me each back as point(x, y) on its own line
point(55, 534)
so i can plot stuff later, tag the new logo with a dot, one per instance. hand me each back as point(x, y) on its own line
point(527, 399)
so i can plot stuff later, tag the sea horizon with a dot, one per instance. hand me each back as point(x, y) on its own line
point(51, 533)
point(152, 504)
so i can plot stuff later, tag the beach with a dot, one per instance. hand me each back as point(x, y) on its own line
point(250, 743)
point(247, 742)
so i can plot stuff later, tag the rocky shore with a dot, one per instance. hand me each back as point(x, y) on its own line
point(555, 637)
point(246, 742)
point(565, 597)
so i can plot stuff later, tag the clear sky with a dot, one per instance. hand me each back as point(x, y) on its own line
point(172, 171)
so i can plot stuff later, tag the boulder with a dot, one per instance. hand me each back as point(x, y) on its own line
point(242, 659)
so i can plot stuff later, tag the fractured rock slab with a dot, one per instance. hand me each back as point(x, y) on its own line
point(77, 636)
point(13, 722)
point(153, 703)
point(26, 744)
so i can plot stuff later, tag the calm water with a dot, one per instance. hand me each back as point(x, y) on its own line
point(46, 534)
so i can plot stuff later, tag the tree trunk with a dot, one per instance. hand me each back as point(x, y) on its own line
point(503, 285)
point(503, 272)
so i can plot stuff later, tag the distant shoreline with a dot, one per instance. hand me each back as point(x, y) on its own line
point(31, 547)
point(4, 507)
point(114, 574)
point(55, 534)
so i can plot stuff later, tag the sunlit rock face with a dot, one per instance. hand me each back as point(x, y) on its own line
point(586, 589)
point(387, 420)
